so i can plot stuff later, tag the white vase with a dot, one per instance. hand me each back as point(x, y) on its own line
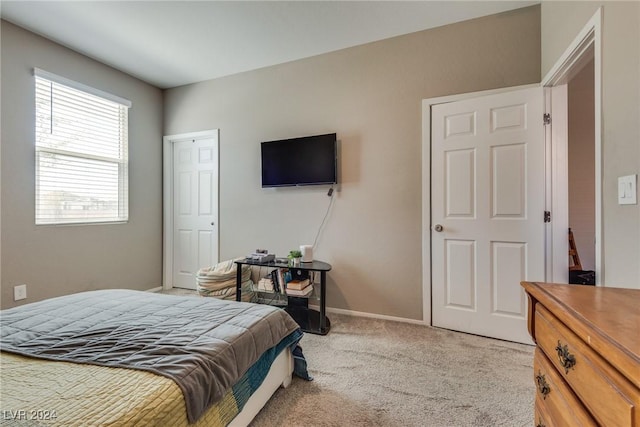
point(307, 253)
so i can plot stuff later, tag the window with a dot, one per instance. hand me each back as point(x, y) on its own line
point(81, 153)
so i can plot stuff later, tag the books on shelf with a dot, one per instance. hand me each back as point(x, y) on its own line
point(299, 287)
point(298, 284)
point(279, 281)
point(277, 277)
point(274, 280)
point(265, 284)
point(300, 292)
point(282, 283)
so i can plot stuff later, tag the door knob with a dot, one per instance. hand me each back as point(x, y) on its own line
point(213, 223)
point(438, 228)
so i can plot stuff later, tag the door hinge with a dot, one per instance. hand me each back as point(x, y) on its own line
point(547, 216)
point(546, 118)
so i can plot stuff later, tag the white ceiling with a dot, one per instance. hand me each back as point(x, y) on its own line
point(172, 43)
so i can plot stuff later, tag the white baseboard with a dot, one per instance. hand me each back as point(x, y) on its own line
point(370, 315)
point(348, 312)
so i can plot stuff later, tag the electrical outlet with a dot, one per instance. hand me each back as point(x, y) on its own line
point(19, 292)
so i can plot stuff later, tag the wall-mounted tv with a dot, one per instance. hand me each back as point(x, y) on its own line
point(309, 160)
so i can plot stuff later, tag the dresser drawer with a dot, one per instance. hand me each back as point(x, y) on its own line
point(554, 399)
point(607, 395)
point(541, 416)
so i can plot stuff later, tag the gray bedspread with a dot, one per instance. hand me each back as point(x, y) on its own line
point(204, 344)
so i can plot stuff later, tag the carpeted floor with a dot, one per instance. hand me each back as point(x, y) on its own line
point(382, 373)
point(371, 372)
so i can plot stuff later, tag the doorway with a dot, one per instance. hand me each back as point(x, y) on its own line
point(191, 226)
point(581, 174)
point(574, 99)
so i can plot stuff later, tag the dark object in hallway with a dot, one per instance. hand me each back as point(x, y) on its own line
point(582, 277)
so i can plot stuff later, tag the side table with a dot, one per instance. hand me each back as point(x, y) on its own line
point(309, 320)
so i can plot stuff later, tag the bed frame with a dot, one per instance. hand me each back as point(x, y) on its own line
point(279, 375)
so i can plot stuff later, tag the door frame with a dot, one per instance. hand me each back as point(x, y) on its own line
point(167, 198)
point(585, 46)
point(426, 184)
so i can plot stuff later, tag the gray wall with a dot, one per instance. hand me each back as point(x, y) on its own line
point(560, 24)
point(371, 96)
point(57, 260)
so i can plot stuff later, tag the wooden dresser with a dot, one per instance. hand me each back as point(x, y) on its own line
point(587, 360)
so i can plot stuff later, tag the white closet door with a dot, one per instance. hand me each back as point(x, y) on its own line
point(195, 208)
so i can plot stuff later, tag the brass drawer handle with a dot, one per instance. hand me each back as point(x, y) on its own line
point(567, 360)
point(543, 386)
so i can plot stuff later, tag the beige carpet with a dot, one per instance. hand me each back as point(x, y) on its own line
point(380, 373)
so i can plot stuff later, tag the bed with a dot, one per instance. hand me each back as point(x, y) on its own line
point(122, 358)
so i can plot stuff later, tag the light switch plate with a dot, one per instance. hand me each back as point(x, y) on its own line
point(627, 190)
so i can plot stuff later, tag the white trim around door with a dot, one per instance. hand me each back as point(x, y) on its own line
point(168, 197)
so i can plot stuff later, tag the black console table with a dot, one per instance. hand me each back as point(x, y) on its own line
point(298, 307)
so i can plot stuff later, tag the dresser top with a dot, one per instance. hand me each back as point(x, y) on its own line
point(607, 319)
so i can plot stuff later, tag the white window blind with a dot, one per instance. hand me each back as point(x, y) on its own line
point(81, 154)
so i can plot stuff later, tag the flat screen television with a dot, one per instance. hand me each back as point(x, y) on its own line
point(309, 160)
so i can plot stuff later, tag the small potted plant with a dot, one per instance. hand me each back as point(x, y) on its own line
point(295, 257)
